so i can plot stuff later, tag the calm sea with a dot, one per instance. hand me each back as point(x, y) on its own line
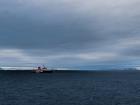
point(70, 88)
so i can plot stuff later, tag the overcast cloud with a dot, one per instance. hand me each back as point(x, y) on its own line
point(69, 33)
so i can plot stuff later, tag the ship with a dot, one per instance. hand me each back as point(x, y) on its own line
point(42, 70)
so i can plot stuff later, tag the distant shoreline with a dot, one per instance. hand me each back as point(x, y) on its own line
point(115, 70)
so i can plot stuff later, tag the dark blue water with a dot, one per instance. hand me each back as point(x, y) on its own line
point(70, 88)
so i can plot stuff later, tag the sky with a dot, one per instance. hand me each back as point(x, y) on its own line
point(78, 34)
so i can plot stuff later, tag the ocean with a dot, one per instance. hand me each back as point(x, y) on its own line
point(70, 88)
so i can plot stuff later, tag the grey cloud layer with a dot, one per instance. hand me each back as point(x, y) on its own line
point(70, 27)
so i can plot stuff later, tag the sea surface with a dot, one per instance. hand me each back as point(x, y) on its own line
point(70, 88)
